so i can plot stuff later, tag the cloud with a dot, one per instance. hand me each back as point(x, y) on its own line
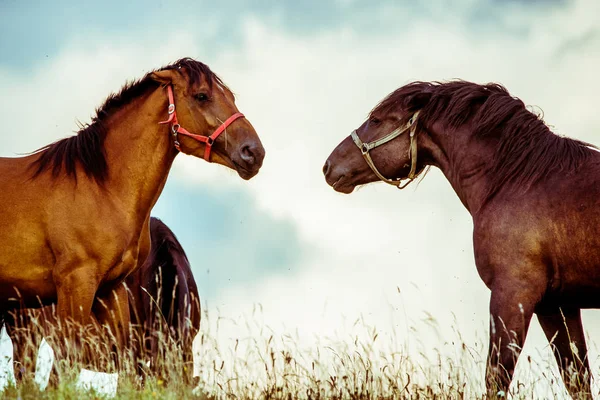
point(306, 92)
point(33, 34)
point(228, 240)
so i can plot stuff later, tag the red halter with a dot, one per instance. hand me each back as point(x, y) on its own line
point(207, 140)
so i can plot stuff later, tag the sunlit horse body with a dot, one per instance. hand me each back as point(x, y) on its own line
point(533, 195)
point(74, 216)
point(164, 304)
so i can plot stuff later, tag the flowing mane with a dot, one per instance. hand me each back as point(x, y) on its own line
point(85, 150)
point(527, 151)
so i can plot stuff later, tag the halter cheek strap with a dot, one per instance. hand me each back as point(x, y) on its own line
point(177, 129)
point(412, 154)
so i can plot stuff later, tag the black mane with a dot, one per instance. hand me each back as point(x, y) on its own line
point(85, 150)
point(527, 151)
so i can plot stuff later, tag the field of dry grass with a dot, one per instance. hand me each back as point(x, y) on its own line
point(363, 364)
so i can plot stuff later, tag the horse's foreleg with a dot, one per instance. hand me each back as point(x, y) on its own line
point(564, 330)
point(511, 309)
point(112, 312)
point(76, 290)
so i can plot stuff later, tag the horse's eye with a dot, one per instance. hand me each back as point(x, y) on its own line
point(201, 97)
point(374, 121)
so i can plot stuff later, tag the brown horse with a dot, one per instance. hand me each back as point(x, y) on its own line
point(163, 300)
point(74, 216)
point(533, 197)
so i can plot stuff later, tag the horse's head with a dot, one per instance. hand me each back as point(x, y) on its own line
point(206, 122)
point(383, 148)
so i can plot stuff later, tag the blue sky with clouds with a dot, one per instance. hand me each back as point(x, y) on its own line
point(305, 74)
point(33, 30)
point(229, 240)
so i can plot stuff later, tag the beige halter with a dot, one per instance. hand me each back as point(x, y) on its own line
point(412, 154)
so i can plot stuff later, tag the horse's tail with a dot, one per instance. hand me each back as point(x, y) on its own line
point(185, 302)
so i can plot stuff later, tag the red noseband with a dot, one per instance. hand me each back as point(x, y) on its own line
point(177, 129)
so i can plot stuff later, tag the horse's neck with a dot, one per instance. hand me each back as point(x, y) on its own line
point(139, 153)
point(464, 161)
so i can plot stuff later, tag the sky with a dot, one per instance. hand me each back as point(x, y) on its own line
point(305, 74)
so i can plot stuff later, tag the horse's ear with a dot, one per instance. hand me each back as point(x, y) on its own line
point(417, 101)
point(166, 76)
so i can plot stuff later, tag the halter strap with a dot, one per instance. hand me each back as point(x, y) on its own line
point(176, 128)
point(365, 148)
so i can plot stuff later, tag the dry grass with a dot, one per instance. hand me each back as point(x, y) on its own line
point(362, 364)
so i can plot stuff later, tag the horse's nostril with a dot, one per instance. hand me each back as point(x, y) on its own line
point(247, 154)
point(326, 167)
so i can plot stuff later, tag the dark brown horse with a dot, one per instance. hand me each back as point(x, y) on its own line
point(164, 305)
point(74, 216)
point(533, 197)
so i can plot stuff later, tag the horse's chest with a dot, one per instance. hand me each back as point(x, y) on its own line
point(132, 258)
